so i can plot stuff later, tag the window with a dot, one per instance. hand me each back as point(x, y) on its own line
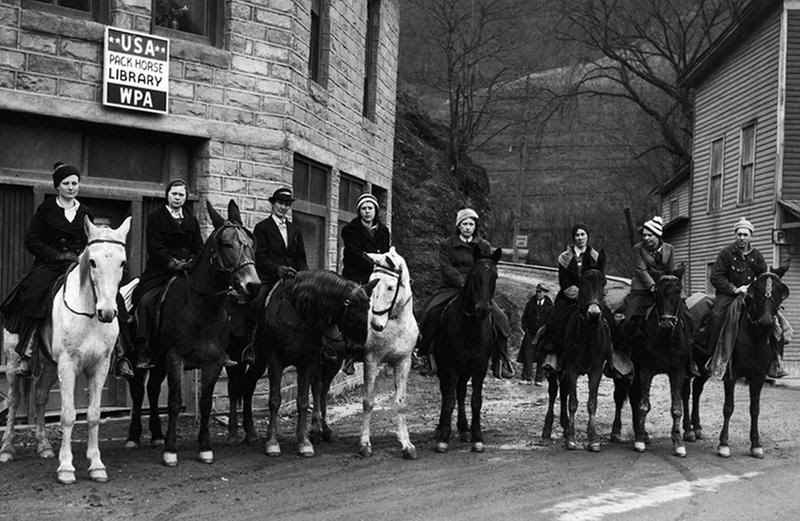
point(310, 185)
point(318, 43)
point(747, 154)
point(371, 59)
point(715, 178)
point(89, 9)
point(198, 20)
point(350, 189)
point(674, 208)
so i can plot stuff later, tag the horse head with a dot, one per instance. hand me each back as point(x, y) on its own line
point(356, 311)
point(393, 290)
point(481, 281)
point(764, 298)
point(102, 264)
point(592, 286)
point(232, 251)
point(668, 298)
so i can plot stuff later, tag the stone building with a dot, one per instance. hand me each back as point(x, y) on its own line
point(262, 94)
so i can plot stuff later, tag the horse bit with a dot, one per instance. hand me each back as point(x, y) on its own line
point(94, 292)
point(395, 274)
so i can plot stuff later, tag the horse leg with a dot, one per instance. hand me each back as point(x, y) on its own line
point(321, 385)
point(154, 381)
point(208, 378)
point(686, 395)
point(447, 388)
point(723, 450)
point(642, 408)
point(552, 391)
point(401, 371)
point(756, 450)
point(41, 392)
point(697, 390)
point(461, 400)
point(370, 370)
point(675, 386)
point(591, 408)
point(569, 397)
point(272, 447)
point(173, 367)
point(66, 378)
point(7, 448)
point(236, 376)
point(249, 384)
point(136, 388)
point(304, 446)
point(621, 386)
point(97, 379)
point(477, 403)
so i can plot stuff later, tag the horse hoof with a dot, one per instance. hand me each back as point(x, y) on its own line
point(698, 434)
point(570, 445)
point(757, 452)
point(615, 437)
point(132, 445)
point(327, 436)
point(5, 457)
point(307, 451)
point(47, 454)
point(157, 442)
point(410, 453)
point(680, 452)
point(547, 436)
point(689, 436)
point(273, 450)
point(98, 475)
point(206, 456)
point(365, 450)
point(638, 446)
point(169, 459)
point(723, 451)
point(593, 447)
point(477, 447)
point(441, 447)
point(66, 477)
point(465, 436)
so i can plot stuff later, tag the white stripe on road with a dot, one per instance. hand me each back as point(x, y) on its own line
point(618, 501)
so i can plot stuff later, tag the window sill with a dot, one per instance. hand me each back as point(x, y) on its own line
point(197, 51)
point(47, 21)
point(317, 92)
point(369, 125)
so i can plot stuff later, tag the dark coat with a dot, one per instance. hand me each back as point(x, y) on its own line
point(535, 316)
point(167, 242)
point(650, 266)
point(271, 252)
point(455, 259)
point(733, 268)
point(568, 272)
point(357, 241)
point(49, 234)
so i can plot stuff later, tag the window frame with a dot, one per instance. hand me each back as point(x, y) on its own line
point(98, 11)
point(215, 19)
point(372, 39)
point(304, 206)
point(746, 187)
point(716, 205)
point(318, 42)
point(351, 182)
point(674, 208)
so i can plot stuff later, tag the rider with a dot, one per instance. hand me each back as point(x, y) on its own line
point(364, 234)
point(55, 238)
point(455, 261)
point(173, 244)
point(736, 266)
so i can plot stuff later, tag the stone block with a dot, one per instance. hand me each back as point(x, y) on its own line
point(234, 151)
point(54, 66)
point(280, 37)
point(209, 94)
point(7, 79)
point(77, 90)
point(241, 10)
point(85, 51)
point(230, 115)
point(280, 72)
point(284, 6)
point(234, 185)
point(270, 52)
point(272, 87)
point(38, 84)
point(254, 30)
point(245, 100)
point(265, 155)
point(181, 89)
point(267, 121)
point(245, 170)
point(248, 204)
point(198, 72)
point(223, 167)
point(8, 15)
point(91, 73)
point(38, 21)
point(249, 65)
point(200, 53)
point(187, 108)
point(12, 59)
point(8, 37)
point(235, 80)
point(44, 43)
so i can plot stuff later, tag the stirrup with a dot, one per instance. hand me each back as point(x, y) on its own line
point(123, 368)
point(22, 368)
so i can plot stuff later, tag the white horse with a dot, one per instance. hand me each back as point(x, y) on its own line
point(391, 338)
point(80, 334)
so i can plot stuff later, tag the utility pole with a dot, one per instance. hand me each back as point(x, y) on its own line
point(518, 209)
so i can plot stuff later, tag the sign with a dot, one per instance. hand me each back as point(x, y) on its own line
point(135, 71)
point(786, 237)
point(521, 241)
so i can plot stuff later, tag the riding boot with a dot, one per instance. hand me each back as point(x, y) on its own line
point(349, 365)
point(775, 370)
point(144, 360)
point(501, 363)
point(28, 342)
point(538, 379)
point(248, 355)
point(122, 366)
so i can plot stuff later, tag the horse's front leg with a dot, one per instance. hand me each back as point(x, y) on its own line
point(447, 388)
point(208, 378)
point(642, 406)
point(321, 379)
point(477, 403)
point(66, 378)
point(368, 404)
point(570, 399)
point(251, 377)
point(136, 388)
point(7, 448)
point(41, 392)
point(97, 379)
point(154, 380)
point(676, 379)
point(591, 407)
point(272, 447)
point(621, 389)
point(304, 446)
point(723, 450)
point(698, 383)
point(756, 450)
point(173, 367)
point(461, 401)
point(686, 396)
point(401, 371)
point(236, 376)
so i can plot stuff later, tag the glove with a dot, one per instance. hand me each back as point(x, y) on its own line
point(67, 256)
point(176, 265)
point(571, 292)
point(183, 266)
point(286, 272)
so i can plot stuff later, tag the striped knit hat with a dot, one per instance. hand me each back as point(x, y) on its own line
point(654, 226)
point(367, 198)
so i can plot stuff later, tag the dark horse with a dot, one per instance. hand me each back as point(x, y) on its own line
point(586, 347)
point(751, 356)
point(299, 315)
point(463, 348)
point(193, 330)
point(660, 346)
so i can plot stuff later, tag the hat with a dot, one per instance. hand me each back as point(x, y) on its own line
point(367, 198)
point(578, 226)
point(466, 213)
point(542, 287)
point(176, 182)
point(281, 194)
point(62, 171)
point(744, 223)
point(654, 226)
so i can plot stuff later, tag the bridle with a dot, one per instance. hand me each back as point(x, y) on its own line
point(217, 263)
point(395, 274)
point(674, 317)
point(467, 292)
point(768, 296)
point(94, 291)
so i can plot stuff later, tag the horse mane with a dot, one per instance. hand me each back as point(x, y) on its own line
point(319, 295)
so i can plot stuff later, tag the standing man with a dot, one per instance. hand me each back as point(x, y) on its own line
point(537, 313)
point(280, 251)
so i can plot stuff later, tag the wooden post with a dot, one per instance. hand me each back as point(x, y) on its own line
point(631, 231)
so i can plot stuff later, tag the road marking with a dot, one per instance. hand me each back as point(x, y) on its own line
point(618, 501)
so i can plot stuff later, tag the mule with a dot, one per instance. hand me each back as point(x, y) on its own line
point(300, 314)
point(462, 349)
point(587, 346)
point(699, 306)
point(391, 339)
point(662, 348)
point(193, 331)
point(79, 335)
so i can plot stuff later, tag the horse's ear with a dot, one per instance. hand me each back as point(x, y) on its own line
point(124, 228)
point(600, 264)
point(781, 270)
point(369, 286)
point(390, 263)
point(679, 272)
point(476, 251)
point(367, 257)
point(234, 215)
point(216, 218)
point(88, 226)
point(497, 254)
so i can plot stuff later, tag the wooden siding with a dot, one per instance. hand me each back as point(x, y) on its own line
point(791, 154)
point(680, 236)
point(742, 89)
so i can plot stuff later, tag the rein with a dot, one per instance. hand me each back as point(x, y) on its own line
point(217, 263)
point(94, 292)
point(395, 274)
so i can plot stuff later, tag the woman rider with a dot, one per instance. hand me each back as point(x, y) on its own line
point(173, 243)
point(455, 261)
point(55, 238)
point(364, 234)
point(652, 258)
